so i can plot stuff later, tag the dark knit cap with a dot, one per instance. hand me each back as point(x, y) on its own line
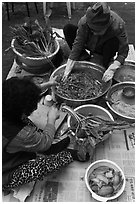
point(98, 16)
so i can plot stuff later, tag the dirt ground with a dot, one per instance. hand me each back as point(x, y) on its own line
point(58, 19)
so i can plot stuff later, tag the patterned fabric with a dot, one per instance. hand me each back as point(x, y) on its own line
point(38, 168)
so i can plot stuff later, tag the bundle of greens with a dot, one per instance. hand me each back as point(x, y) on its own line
point(91, 130)
point(33, 40)
point(96, 127)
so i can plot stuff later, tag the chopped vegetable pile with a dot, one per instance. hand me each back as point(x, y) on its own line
point(105, 181)
point(33, 40)
point(79, 86)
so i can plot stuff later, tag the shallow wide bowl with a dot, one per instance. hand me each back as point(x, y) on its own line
point(126, 72)
point(90, 108)
point(34, 61)
point(97, 164)
point(97, 73)
point(128, 100)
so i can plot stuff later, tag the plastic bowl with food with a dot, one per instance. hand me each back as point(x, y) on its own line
point(105, 180)
point(34, 62)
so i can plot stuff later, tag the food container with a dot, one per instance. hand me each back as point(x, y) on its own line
point(119, 103)
point(87, 67)
point(126, 72)
point(110, 164)
point(95, 110)
point(31, 63)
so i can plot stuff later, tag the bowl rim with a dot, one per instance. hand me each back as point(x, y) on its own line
point(113, 86)
point(126, 63)
point(90, 105)
point(94, 195)
point(34, 58)
point(81, 100)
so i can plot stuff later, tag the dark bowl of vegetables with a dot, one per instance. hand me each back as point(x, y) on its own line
point(83, 85)
point(34, 45)
point(105, 180)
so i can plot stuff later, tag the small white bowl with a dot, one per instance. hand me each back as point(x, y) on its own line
point(110, 164)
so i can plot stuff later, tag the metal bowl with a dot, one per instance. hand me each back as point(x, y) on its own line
point(110, 164)
point(34, 62)
point(124, 106)
point(90, 108)
point(126, 72)
point(97, 73)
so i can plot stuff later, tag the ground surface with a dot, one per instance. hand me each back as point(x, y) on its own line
point(58, 19)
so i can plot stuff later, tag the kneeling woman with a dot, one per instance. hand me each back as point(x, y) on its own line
point(28, 153)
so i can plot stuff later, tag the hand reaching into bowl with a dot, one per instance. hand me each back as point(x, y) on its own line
point(109, 73)
point(69, 67)
point(50, 83)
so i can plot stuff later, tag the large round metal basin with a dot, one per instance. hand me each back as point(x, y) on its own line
point(126, 72)
point(82, 66)
point(121, 105)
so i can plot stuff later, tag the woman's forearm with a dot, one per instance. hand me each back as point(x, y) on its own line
point(45, 85)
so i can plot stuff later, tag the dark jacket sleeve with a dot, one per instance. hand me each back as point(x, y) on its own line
point(79, 43)
point(123, 44)
point(121, 34)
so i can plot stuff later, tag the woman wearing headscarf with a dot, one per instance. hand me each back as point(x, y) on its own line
point(103, 33)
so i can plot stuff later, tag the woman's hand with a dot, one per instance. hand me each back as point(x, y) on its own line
point(53, 115)
point(53, 81)
point(69, 66)
point(50, 83)
point(109, 73)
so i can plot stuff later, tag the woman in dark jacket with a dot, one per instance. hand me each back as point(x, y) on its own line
point(103, 33)
point(28, 153)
